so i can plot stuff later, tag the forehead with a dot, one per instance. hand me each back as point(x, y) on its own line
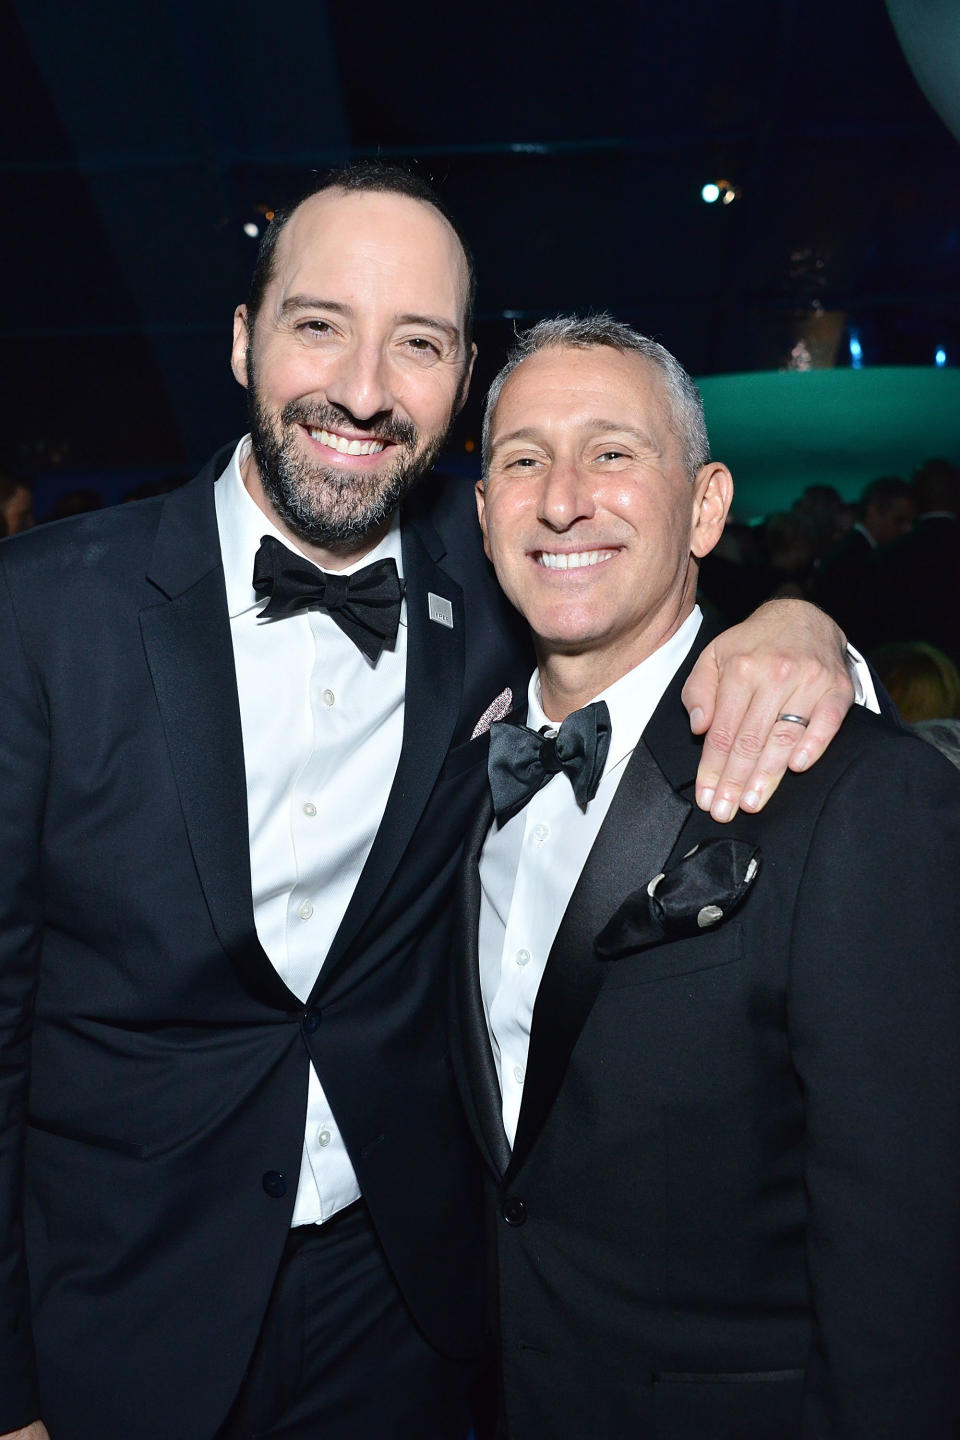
point(565, 388)
point(371, 248)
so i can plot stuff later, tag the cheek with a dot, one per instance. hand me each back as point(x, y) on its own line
point(501, 540)
point(428, 399)
point(288, 372)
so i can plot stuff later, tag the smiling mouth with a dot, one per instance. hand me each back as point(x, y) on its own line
point(572, 559)
point(345, 446)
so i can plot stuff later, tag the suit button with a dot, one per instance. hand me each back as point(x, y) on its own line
point(311, 1021)
point(514, 1211)
point(275, 1184)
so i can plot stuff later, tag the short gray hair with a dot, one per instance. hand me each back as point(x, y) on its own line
point(573, 332)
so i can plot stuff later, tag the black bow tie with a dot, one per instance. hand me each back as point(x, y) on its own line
point(521, 761)
point(366, 604)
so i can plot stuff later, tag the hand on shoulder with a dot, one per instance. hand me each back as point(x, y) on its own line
point(788, 658)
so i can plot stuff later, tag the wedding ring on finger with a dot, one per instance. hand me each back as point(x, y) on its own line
point(794, 720)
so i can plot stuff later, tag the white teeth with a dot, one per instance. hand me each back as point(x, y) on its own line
point(560, 560)
point(347, 447)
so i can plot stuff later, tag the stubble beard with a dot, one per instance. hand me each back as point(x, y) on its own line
point(332, 509)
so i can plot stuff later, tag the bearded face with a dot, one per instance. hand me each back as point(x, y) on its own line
point(334, 509)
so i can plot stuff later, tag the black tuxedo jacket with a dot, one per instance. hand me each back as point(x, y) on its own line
point(733, 1207)
point(153, 1066)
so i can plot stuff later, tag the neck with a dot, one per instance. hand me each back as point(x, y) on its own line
point(569, 680)
point(337, 558)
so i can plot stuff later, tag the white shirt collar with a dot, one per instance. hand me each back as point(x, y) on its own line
point(633, 698)
point(242, 525)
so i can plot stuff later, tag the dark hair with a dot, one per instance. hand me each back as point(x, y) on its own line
point(936, 486)
point(885, 491)
point(373, 176)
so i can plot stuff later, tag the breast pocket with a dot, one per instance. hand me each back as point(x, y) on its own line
point(675, 958)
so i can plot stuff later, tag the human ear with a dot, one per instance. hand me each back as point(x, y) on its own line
point(712, 498)
point(241, 344)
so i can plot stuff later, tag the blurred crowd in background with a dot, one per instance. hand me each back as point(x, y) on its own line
point(886, 569)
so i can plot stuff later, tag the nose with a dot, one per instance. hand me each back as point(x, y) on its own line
point(360, 382)
point(566, 496)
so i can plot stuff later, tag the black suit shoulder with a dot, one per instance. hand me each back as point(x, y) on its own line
point(83, 540)
point(117, 538)
point(871, 740)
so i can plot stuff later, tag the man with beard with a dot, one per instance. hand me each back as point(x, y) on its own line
point(238, 1197)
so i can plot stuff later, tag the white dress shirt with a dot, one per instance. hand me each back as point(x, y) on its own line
point(322, 729)
point(530, 866)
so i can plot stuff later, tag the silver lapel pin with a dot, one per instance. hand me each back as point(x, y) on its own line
point(439, 610)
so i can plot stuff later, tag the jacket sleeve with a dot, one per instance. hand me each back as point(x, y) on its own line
point(874, 1014)
point(23, 768)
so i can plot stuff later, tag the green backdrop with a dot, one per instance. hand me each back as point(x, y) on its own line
point(779, 432)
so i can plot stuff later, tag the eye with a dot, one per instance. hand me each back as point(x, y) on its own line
point(422, 345)
point(315, 327)
point(611, 455)
point(522, 464)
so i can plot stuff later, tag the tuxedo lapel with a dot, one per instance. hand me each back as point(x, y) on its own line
point(434, 685)
point(636, 837)
point(483, 1085)
point(635, 841)
point(187, 642)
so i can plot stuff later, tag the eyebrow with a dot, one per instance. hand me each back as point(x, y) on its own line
point(592, 427)
point(311, 302)
point(432, 322)
point(295, 303)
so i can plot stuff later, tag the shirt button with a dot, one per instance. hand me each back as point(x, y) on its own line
point(310, 809)
point(518, 1074)
point(540, 833)
point(305, 910)
point(523, 957)
point(323, 1138)
point(328, 698)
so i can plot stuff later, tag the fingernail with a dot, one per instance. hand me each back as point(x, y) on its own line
point(696, 720)
point(705, 799)
point(750, 800)
point(722, 810)
point(800, 761)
